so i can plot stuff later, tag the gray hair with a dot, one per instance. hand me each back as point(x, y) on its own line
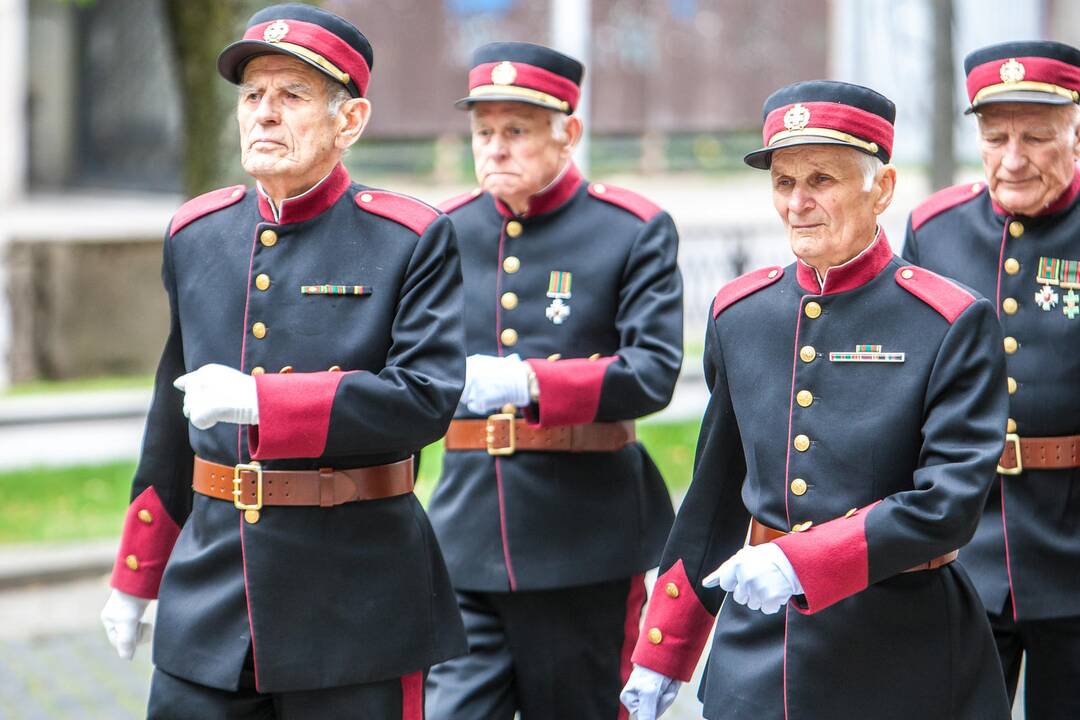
point(336, 96)
point(871, 165)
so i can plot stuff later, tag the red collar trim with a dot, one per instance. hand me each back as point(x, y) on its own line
point(308, 204)
point(1062, 203)
point(855, 273)
point(554, 196)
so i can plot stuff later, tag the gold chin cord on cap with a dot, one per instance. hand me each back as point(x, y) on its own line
point(870, 147)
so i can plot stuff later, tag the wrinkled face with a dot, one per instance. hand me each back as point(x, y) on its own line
point(818, 193)
point(285, 127)
point(514, 152)
point(1028, 153)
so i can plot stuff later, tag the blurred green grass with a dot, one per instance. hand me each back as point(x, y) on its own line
point(85, 502)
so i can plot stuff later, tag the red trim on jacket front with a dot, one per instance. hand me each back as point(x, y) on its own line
point(310, 203)
point(943, 200)
point(942, 294)
point(855, 273)
point(831, 560)
point(322, 41)
point(569, 389)
point(835, 116)
point(743, 286)
point(402, 209)
point(554, 196)
point(1036, 69)
point(148, 537)
point(532, 77)
point(294, 414)
point(681, 624)
point(205, 204)
point(412, 696)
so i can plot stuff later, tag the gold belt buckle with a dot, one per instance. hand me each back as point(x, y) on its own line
point(1015, 440)
point(510, 448)
point(256, 468)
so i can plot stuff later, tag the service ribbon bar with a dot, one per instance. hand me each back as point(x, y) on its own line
point(1049, 272)
point(1070, 274)
point(335, 289)
point(867, 353)
point(559, 284)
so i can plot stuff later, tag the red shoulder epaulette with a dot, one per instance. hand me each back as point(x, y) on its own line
point(626, 199)
point(402, 209)
point(943, 295)
point(205, 204)
point(449, 206)
point(745, 285)
point(942, 200)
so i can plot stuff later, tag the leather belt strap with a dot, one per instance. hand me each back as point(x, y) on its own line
point(1040, 453)
point(761, 534)
point(326, 487)
point(503, 434)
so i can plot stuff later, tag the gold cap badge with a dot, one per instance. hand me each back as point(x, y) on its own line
point(504, 73)
point(797, 117)
point(1012, 71)
point(275, 31)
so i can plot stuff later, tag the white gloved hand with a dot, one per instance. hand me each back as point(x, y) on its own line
point(122, 618)
point(759, 577)
point(648, 693)
point(491, 382)
point(216, 393)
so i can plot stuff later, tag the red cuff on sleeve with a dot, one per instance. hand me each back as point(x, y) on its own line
point(569, 389)
point(677, 627)
point(145, 546)
point(830, 560)
point(294, 414)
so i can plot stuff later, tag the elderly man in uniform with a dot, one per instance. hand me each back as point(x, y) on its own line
point(855, 418)
point(1016, 239)
point(315, 347)
point(548, 510)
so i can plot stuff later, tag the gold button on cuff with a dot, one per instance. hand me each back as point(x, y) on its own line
point(511, 264)
point(258, 370)
point(805, 398)
point(509, 336)
point(285, 370)
point(554, 356)
point(812, 310)
point(1012, 386)
point(907, 274)
point(268, 238)
point(259, 330)
point(365, 197)
point(672, 590)
point(132, 562)
point(1016, 228)
point(1012, 266)
point(145, 516)
point(802, 443)
point(262, 281)
point(1010, 306)
point(798, 486)
point(1011, 345)
point(807, 353)
point(1010, 426)
point(509, 301)
point(513, 228)
point(655, 636)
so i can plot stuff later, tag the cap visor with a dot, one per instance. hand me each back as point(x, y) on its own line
point(762, 157)
point(232, 58)
point(1021, 96)
point(467, 102)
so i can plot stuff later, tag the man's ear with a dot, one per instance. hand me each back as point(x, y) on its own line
point(352, 118)
point(574, 129)
point(885, 183)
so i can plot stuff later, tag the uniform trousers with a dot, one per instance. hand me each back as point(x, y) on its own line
point(1052, 670)
point(173, 698)
point(548, 654)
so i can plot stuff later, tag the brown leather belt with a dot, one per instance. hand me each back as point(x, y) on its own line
point(249, 487)
point(502, 434)
point(761, 534)
point(1041, 453)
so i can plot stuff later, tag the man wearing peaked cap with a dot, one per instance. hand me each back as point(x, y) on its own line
point(845, 454)
point(314, 348)
point(1016, 239)
point(548, 510)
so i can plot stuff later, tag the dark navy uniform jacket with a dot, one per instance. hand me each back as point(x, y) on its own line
point(1028, 543)
point(538, 520)
point(873, 467)
point(326, 596)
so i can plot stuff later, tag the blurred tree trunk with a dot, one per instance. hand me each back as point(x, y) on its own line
point(942, 156)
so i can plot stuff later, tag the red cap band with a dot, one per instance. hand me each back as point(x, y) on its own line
point(323, 43)
point(860, 124)
point(1012, 73)
point(529, 77)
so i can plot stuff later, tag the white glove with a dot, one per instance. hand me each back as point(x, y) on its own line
point(122, 618)
point(648, 693)
point(216, 393)
point(759, 577)
point(491, 382)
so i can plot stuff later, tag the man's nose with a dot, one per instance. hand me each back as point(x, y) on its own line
point(1013, 158)
point(267, 110)
point(799, 200)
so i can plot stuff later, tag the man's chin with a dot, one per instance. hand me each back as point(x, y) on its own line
point(1019, 203)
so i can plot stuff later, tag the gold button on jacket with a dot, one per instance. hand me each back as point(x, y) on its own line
point(813, 310)
point(268, 238)
point(509, 337)
point(798, 486)
point(513, 228)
